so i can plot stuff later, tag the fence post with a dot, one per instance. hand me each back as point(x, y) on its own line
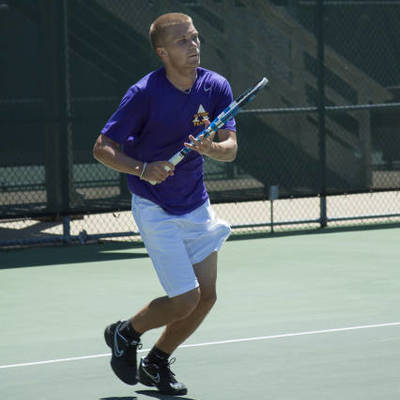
point(321, 110)
point(273, 195)
point(365, 136)
point(56, 102)
point(67, 229)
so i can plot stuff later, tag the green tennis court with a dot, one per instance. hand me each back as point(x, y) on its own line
point(311, 316)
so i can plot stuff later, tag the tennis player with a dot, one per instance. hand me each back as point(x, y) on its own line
point(182, 235)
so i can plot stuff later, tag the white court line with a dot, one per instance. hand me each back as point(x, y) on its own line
point(251, 339)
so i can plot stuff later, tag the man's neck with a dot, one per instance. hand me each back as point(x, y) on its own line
point(182, 80)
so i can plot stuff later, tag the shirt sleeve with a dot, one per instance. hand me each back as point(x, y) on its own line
point(128, 120)
point(224, 99)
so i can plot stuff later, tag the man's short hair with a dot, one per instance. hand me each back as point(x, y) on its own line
point(162, 23)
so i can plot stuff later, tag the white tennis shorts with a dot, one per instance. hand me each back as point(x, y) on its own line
point(176, 242)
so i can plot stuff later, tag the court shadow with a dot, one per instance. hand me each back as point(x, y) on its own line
point(38, 257)
point(157, 395)
point(119, 398)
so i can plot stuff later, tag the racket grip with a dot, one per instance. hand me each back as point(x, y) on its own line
point(154, 182)
point(175, 159)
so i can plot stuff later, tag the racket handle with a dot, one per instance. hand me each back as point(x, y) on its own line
point(175, 159)
point(154, 182)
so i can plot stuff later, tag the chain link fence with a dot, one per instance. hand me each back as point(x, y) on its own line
point(319, 147)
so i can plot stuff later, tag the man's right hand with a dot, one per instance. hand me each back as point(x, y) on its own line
point(158, 171)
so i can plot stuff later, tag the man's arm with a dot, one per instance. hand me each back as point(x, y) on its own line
point(226, 148)
point(108, 152)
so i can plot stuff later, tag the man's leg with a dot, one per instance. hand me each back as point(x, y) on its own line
point(163, 310)
point(178, 331)
point(124, 337)
point(154, 369)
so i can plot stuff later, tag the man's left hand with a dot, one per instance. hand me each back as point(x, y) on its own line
point(202, 144)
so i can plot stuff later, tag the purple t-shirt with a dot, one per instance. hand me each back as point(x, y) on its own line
point(153, 121)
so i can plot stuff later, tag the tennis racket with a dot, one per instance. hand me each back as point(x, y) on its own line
point(220, 120)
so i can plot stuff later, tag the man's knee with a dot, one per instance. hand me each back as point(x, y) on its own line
point(185, 303)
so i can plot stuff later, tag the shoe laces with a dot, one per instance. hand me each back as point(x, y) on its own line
point(165, 367)
point(135, 343)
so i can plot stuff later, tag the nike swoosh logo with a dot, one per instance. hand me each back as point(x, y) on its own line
point(154, 378)
point(118, 353)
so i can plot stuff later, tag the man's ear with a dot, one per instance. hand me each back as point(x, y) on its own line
point(161, 52)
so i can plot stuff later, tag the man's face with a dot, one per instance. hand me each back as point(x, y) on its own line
point(182, 46)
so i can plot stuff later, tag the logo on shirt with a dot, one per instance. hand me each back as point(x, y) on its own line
point(201, 116)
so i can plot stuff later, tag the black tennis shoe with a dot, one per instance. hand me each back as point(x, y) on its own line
point(123, 359)
point(161, 376)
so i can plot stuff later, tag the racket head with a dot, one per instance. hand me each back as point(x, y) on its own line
point(242, 100)
point(250, 93)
